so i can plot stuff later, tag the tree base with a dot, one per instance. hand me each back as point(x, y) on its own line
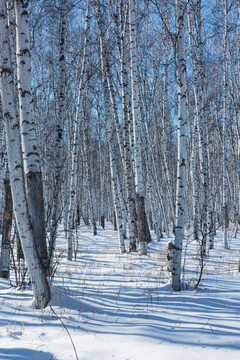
point(132, 246)
point(142, 248)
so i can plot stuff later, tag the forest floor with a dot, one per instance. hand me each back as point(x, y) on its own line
point(121, 307)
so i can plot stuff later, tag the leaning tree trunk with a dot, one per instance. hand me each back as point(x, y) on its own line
point(181, 159)
point(31, 161)
point(38, 278)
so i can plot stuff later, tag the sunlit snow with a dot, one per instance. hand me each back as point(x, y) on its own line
point(122, 307)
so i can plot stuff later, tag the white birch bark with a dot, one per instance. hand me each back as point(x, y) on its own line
point(181, 159)
point(166, 121)
point(38, 278)
point(194, 137)
point(202, 128)
point(101, 172)
point(31, 160)
point(12, 36)
point(138, 168)
point(28, 131)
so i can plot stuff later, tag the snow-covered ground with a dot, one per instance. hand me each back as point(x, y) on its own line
point(121, 307)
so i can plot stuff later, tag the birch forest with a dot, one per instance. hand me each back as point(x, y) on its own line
point(117, 111)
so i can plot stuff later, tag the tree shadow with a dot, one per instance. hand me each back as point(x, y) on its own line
point(25, 354)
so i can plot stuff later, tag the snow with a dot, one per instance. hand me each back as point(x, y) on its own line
point(121, 307)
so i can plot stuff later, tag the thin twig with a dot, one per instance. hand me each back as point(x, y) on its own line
point(66, 331)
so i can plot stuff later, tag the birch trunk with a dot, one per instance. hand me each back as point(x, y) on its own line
point(138, 167)
point(129, 179)
point(202, 128)
point(12, 36)
point(31, 161)
point(181, 159)
point(194, 154)
point(38, 278)
point(166, 122)
point(194, 175)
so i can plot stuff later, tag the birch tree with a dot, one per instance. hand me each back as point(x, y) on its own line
point(126, 104)
point(13, 141)
point(138, 167)
point(181, 157)
point(31, 161)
